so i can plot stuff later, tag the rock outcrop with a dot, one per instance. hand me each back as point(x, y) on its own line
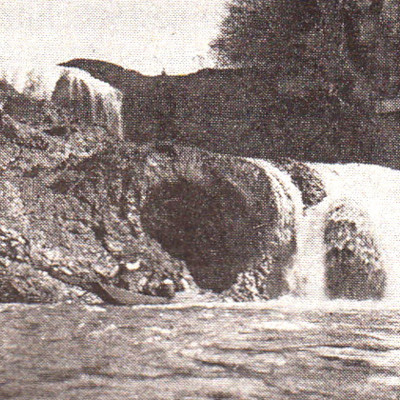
point(88, 217)
point(64, 230)
point(223, 216)
point(250, 112)
point(353, 262)
point(94, 213)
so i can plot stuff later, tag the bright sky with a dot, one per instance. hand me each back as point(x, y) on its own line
point(146, 35)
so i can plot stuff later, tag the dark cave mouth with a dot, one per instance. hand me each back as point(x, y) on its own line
point(212, 229)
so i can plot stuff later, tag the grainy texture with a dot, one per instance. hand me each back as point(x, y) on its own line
point(227, 228)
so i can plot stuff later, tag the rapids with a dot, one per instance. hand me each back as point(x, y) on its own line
point(205, 352)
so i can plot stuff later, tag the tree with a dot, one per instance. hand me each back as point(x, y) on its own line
point(264, 32)
point(338, 58)
point(347, 46)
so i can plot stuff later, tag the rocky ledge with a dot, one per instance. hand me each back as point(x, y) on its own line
point(86, 217)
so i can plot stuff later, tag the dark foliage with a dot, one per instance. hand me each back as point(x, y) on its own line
point(351, 45)
point(334, 59)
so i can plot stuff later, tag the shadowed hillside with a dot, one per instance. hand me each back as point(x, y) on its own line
point(246, 112)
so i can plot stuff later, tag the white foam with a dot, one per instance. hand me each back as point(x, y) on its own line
point(281, 325)
point(37, 82)
point(306, 278)
point(375, 191)
point(41, 82)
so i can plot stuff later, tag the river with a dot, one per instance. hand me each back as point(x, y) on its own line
point(274, 350)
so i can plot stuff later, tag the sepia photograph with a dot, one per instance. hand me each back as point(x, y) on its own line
point(200, 199)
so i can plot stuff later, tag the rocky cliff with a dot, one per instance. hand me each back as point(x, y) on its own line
point(88, 217)
point(249, 112)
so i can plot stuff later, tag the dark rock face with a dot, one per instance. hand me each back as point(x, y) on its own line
point(353, 263)
point(246, 112)
point(306, 179)
point(220, 215)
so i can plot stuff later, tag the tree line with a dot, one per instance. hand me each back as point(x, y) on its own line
point(348, 47)
point(340, 57)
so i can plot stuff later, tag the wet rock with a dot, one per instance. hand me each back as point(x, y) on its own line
point(108, 271)
point(262, 282)
point(166, 288)
point(133, 266)
point(306, 179)
point(59, 131)
point(354, 267)
point(13, 245)
point(21, 283)
point(69, 210)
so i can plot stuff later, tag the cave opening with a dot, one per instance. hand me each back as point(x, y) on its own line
point(210, 227)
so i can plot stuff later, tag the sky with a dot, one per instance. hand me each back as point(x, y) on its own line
point(145, 35)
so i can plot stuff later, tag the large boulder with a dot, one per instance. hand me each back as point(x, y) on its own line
point(354, 267)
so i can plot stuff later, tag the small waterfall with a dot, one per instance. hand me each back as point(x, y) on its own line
point(307, 277)
point(372, 190)
point(90, 99)
point(376, 191)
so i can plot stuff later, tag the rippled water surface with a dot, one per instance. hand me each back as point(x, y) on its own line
point(198, 352)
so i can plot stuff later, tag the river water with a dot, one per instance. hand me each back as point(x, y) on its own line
point(275, 350)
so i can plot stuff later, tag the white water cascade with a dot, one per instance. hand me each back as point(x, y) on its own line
point(89, 99)
point(373, 190)
point(376, 191)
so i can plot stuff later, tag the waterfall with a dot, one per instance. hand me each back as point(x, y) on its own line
point(90, 99)
point(367, 193)
point(373, 191)
point(307, 277)
point(376, 191)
